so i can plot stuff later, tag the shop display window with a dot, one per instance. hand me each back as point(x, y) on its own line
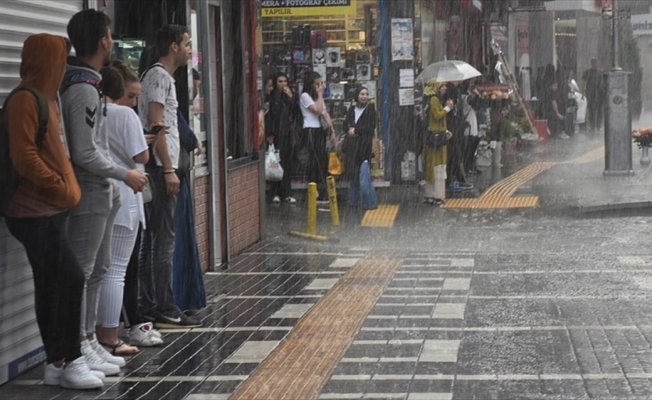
point(342, 48)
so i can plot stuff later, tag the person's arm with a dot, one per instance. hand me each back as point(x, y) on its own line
point(23, 152)
point(134, 142)
point(436, 108)
point(556, 109)
point(81, 113)
point(329, 121)
point(318, 107)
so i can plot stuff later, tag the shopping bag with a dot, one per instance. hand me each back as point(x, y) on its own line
point(367, 192)
point(335, 164)
point(580, 117)
point(273, 169)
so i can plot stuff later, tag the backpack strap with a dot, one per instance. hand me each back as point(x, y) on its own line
point(43, 111)
point(81, 77)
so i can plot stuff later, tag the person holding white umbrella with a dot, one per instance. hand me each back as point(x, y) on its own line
point(436, 156)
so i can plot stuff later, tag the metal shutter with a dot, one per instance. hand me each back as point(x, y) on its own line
point(20, 342)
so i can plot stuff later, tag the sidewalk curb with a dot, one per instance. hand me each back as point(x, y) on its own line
point(613, 208)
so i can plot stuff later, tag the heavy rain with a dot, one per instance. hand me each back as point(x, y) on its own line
point(325, 199)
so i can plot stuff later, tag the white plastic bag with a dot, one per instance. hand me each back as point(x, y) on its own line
point(273, 169)
point(580, 117)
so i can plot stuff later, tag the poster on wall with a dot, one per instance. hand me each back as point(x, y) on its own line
point(402, 39)
point(371, 87)
point(406, 97)
point(406, 78)
point(318, 57)
point(320, 69)
point(363, 72)
point(333, 57)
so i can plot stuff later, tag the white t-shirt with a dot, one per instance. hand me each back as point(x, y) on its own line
point(158, 87)
point(310, 119)
point(126, 139)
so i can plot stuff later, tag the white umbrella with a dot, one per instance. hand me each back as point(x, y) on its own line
point(447, 71)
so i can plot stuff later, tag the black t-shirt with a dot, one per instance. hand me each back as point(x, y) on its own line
point(594, 79)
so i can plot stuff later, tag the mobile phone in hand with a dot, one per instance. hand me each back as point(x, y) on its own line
point(155, 130)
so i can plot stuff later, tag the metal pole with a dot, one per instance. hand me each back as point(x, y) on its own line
point(615, 27)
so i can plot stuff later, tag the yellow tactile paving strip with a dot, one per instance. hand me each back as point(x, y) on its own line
point(302, 363)
point(382, 217)
point(500, 194)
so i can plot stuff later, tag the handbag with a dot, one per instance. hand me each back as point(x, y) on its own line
point(436, 139)
point(148, 190)
point(335, 164)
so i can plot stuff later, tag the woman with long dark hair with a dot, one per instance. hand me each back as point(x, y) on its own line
point(278, 130)
point(312, 107)
point(359, 127)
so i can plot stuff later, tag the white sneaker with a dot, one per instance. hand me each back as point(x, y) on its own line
point(52, 376)
point(77, 375)
point(564, 136)
point(290, 200)
point(108, 357)
point(276, 200)
point(145, 335)
point(96, 362)
point(153, 331)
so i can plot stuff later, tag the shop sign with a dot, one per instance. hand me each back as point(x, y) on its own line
point(641, 24)
point(297, 8)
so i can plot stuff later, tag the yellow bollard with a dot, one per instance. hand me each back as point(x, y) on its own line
point(332, 198)
point(312, 208)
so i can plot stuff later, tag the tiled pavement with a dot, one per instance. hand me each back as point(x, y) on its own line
point(444, 326)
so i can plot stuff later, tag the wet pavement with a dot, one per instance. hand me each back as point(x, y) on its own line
point(536, 303)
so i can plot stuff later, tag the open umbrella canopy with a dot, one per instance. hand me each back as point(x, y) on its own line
point(447, 71)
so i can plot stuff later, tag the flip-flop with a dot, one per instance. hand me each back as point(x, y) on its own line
point(113, 348)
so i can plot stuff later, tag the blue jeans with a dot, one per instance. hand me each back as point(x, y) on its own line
point(156, 249)
point(58, 282)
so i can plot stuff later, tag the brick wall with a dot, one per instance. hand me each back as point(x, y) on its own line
point(244, 207)
point(202, 219)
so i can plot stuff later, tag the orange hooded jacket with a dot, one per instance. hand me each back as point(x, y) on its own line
point(46, 172)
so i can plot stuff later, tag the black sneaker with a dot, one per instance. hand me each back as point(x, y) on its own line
point(175, 320)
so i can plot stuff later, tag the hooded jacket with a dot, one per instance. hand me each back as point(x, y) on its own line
point(83, 113)
point(46, 172)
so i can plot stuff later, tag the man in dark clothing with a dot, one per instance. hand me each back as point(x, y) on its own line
point(592, 82)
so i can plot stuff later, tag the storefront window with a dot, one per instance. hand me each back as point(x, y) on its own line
point(339, 43)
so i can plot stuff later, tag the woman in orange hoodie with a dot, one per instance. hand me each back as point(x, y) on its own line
point(37, 213)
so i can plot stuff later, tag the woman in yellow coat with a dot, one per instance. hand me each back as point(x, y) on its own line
point(436, 158)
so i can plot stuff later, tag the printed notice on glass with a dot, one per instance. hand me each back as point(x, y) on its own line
point(406, 78)
point(402, 39)
point(406, 97)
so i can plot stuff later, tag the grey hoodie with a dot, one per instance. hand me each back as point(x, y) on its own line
point(83, 114)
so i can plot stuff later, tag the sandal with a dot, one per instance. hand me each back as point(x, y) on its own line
point(113, 348)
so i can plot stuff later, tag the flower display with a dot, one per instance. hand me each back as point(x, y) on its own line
point(642, 137)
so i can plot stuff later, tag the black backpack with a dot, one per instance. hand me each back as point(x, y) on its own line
point(9, 178)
